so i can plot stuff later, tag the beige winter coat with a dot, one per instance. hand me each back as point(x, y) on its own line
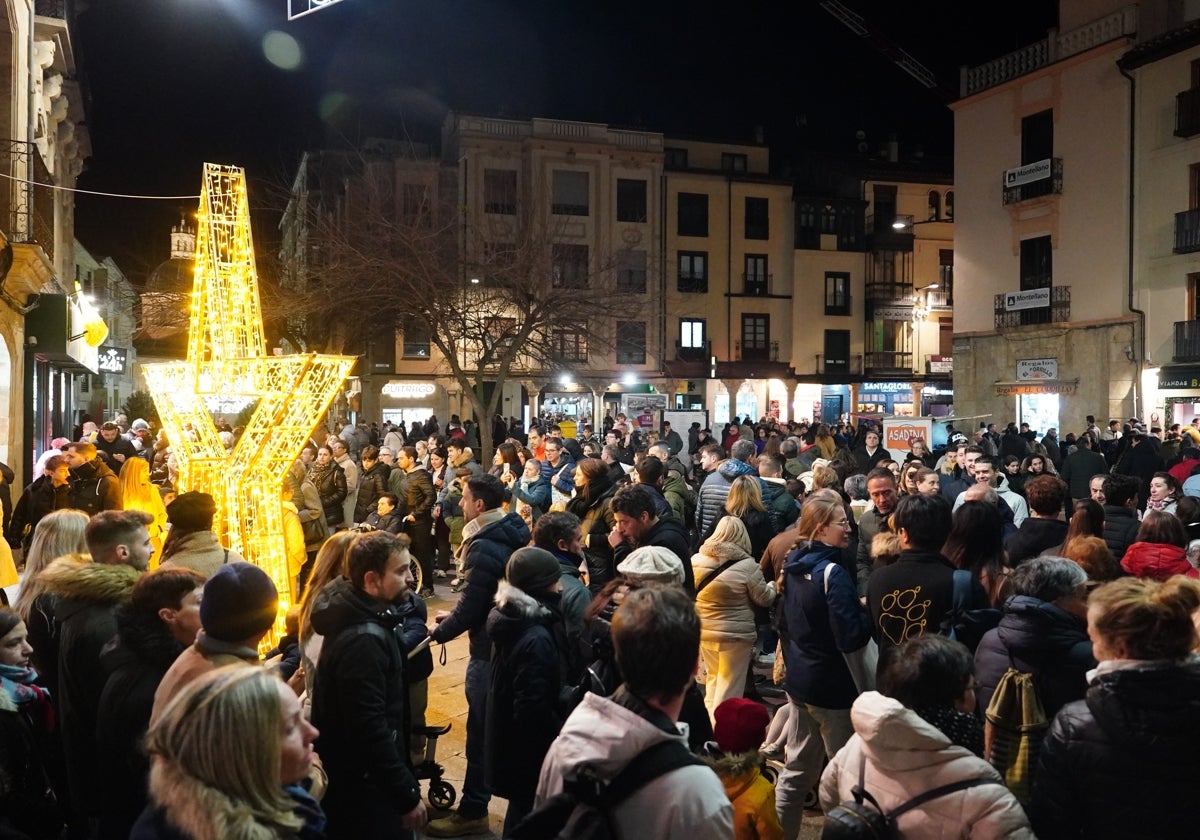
point(907, 756)
point(724, 606)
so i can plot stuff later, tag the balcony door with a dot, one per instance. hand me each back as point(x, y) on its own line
point(756, 337)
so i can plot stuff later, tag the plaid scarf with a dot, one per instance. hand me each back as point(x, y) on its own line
point(18, 691)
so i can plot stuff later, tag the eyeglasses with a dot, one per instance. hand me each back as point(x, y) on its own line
point(844, 523)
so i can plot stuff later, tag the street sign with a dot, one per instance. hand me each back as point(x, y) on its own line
point(1026, 299)
point(1027, 174)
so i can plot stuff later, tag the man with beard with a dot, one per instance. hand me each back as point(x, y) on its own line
point(360, 698)
point(94, 486)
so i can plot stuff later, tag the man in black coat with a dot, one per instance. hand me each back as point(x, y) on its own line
point(1141, 460)
point(1045, 527)
point(114, 447)
point(1120, 513)
point(490, 536)
point(89, 595)
point(638, 524)
point(360, 698)
point(1079, 467)
point(159, 622)
point(94, 487)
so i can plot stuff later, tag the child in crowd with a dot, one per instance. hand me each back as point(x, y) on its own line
point(741, 725)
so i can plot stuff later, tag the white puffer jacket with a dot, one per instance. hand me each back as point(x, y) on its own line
point(907, 756)
point(724, 606)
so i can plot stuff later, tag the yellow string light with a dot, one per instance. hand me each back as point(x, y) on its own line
point(227, 356)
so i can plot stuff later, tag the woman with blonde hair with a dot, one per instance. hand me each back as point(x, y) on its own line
point(137, 493)
point(1136, 735)
point(824, 627)
point(328, 567)
point(58, 534)
point(226, 761)
point(745, 502)
point(728, 584)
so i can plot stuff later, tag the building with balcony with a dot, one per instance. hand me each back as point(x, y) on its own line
point(1047, 317)
point(43, 143)
point(1164, 80)
point(729, 302)
point(874, 253)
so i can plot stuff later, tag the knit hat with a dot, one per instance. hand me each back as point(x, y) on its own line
point(652, 564)
point(239, 602)
point(192, 511)
point(532, 569)
point(139, 424)
point(740, 725)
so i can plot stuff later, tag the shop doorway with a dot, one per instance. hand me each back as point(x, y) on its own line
point(1040, 411)
point(406, 415)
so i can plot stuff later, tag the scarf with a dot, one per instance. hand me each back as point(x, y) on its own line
point(1153, 505)
point(308, 809)
point(962, 728)
point(474, 527)
point(18, 691)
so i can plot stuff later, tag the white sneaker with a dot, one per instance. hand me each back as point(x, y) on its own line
point(765, 660)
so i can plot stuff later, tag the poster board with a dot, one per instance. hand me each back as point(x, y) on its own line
point(899, 432)
point(681, 421)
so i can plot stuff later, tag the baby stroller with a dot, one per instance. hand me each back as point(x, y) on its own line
point(441, 793)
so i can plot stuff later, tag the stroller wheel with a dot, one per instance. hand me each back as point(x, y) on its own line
point(442, 795)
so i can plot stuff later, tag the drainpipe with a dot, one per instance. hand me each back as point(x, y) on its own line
point(1140, 329)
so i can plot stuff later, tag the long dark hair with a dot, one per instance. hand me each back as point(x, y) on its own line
point(597, 484)
point(976, 543)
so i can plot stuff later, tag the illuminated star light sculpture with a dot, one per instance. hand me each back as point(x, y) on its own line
point(226, 358)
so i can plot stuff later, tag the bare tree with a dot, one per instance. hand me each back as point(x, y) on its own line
point(366, 259)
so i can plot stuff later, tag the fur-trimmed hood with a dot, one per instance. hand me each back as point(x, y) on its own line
point(202, 812)
point(99, 582)
point(736, 764)
point(516, 609)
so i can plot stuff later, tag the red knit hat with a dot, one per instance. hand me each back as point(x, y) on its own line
point(741, 725)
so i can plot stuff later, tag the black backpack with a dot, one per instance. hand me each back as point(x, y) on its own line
point(584, 809)
point(855, 820)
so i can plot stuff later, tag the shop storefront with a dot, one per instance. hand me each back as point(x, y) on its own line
point(885, 398)
point(409, 401)
point(937, 401)
point(1180, 385)
point(62, 337)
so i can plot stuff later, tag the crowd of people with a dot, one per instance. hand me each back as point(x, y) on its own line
point(621, 595)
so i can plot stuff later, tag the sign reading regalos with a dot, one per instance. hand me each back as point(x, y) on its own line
point(900, 432)
point(1030, 369)
point(408, 390)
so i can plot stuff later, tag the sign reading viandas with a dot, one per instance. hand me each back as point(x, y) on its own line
point(1026, 299)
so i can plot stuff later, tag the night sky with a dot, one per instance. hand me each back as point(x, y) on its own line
point(175, 83)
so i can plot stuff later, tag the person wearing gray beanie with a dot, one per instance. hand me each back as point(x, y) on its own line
point(530, 651)
point(238, 608)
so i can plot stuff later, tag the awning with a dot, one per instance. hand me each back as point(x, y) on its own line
point(1037, 386)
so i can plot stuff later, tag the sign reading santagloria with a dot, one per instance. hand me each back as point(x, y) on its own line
point(408, 390)
point(1027, 174)
point(1028, 369)
point(1026, 299)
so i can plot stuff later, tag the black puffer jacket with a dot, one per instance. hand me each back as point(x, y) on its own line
point(484, 557)
point(1120, 529)
point(95, 487)
point(136, 660)
point(1038, 638)
point(360, 706)
point(1121, 763)
point(528, 669)
point(371, 485)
